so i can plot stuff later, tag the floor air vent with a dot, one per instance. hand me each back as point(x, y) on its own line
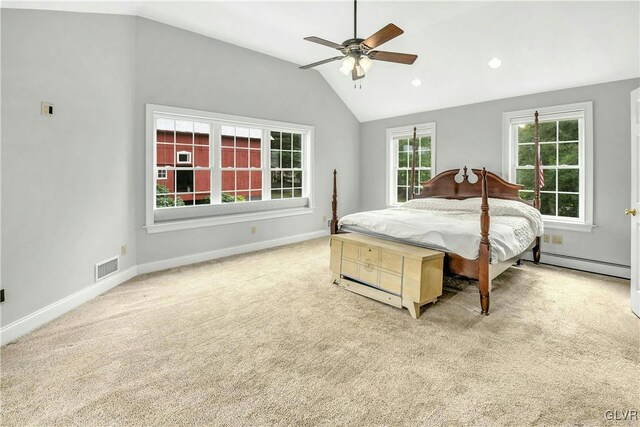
point(106, 268)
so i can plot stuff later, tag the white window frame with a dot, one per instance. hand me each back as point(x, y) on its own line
point(423, 129)
point(583, 111)
point(187, 217)
point(164, 172)
point(185, 162)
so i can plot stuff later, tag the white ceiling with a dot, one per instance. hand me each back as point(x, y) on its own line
point(543, 45)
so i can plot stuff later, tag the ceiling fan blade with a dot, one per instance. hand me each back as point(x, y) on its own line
point(382, 36)
point(337, 58)
point(401, 58)
point(324, 42)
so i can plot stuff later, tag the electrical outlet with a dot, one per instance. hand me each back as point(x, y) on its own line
point(546, 238)
point(46, 109)
point(556, 239)
point(123, 250)
point(253, 230)
point(1, 295)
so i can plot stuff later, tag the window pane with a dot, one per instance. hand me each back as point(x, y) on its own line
point(203, 198)
point(227, 157)
point(425, 176)
point(275, 159)
point(184, 181)
point(165, 130)
point(569, 205)
point(404, 146)
point(203, 181)
point(201, 133)
point(286, 159)
point(403, 160)
point(526, 195)
point(287, 193)
point(228, 140)
point(526, 155)
point(242, 158)
point(569, 180)
point(402, 177)
point(276, 194)
point(549, 179)
point(525, 133)
point(228, 197)
point(286, 141)
point(201, 153)
point(256, 180)
point(297, 160)
point(548, 203)
point(402, 194)
point(548, 154)
point(254, 158)
point(568, 153)
point(256, 195)
point(228, 180)
point(165, 201)
point(297, 179)
point(287, 179)
point(425, 142)
point(297, 192)
point(276, 179)
point(165, 155)
point(547, 131)
point(568, 130)
point(297, 142)
point(275, 140)
point(425, 159)
point(242, 180)
point(525, 177)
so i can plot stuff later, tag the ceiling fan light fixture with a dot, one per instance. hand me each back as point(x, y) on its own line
point(494, 63)
point(347, 65)
point(366, 63)
point(416, 82)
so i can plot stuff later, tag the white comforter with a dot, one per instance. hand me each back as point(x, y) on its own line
point(454, 225)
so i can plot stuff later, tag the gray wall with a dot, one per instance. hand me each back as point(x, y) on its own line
point(67, 201)
point(472, 135)
point(73, 184)
point(182, 69)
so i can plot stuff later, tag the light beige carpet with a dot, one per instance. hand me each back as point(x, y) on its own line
point(265, 339)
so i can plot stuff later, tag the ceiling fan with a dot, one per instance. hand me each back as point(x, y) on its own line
point(357, 54)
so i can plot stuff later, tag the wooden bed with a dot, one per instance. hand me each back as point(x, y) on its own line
point(488, 184)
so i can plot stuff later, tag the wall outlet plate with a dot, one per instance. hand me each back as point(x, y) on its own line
point(46, 109)
point(556, 239)
point(546, 238)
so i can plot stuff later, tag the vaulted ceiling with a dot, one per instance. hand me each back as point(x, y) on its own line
point(543, 45)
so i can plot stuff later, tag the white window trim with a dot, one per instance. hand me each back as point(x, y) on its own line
point(158, 177)
point(585, 224)
point(395, 132)
point(178, 161)
point(153, 226)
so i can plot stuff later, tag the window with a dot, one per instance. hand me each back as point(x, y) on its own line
point(565, 134)
point(221, 169)
point(400, 160)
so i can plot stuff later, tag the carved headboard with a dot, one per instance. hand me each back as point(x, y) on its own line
point(444, 185)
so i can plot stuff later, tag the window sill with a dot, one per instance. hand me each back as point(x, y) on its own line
point(568, 226)
point(162, 227)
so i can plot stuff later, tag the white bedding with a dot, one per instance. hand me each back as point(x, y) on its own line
point(454, 225)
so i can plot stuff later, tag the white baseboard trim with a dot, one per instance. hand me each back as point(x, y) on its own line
point(46, 314)
point(165, 264)
point(591, 266)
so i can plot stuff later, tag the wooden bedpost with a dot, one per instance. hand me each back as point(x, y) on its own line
point(485, 249)
point(536, 182)
point(334, 206)
point(412, 181)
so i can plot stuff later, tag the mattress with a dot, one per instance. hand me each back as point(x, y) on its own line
point(453, 225)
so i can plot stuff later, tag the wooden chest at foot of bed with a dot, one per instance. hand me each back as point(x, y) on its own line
point(394, 273)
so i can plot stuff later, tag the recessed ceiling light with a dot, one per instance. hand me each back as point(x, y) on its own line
point(495, 63)
point(416, 82)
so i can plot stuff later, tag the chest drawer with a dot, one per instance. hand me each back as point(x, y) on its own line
point(369, 255)
point(390, 261)
point(350, 250)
